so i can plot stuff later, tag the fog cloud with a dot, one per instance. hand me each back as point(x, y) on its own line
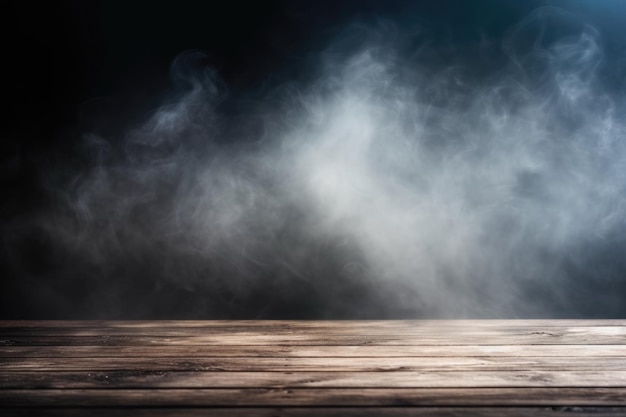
point(385, 186)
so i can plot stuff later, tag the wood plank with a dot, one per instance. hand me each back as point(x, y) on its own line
point(368, 333)
point(306, 364)
point(204, 379)
point(216, 351)
point(307, 339)
point(356, 330)
point(422, 397)
point(324, 411)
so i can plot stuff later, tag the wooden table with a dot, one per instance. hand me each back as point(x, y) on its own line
point(313, 368)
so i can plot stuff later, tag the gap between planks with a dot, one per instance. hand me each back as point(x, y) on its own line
point(325, 412)
point(202, 379)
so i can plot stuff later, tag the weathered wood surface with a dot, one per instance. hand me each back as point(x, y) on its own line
point(302, 368)
point(325, 412)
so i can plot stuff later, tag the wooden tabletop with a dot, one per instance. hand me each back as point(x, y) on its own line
point(313, 368)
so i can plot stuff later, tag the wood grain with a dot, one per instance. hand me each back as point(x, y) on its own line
point(282, 351)
point(325, 412)
point(316, 340)
point(315, 364)
point(320, 379)
point(375, 397)
point(276, 368)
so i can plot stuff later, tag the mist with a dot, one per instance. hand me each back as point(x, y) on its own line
point(397, 178)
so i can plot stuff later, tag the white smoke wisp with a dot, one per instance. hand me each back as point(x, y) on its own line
point(385, 188)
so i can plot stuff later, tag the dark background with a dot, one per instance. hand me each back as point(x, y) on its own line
point(60, 57)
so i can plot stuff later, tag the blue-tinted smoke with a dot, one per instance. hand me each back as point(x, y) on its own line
point(388, 186)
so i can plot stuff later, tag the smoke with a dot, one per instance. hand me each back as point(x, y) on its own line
point(401, 179)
